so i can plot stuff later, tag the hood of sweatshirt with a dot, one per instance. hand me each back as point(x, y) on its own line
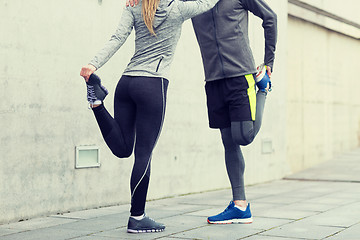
point(162, 12)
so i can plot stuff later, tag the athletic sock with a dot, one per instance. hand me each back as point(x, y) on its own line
point(138, 217)
point(241, 208)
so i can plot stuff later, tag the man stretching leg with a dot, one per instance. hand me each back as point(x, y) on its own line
point(233, 105)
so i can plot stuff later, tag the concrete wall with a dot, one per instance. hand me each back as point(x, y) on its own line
point(44, 115)
point(323, 106)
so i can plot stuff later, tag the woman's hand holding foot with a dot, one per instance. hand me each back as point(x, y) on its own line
point(86, 71)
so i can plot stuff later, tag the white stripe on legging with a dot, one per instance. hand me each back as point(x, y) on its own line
point(157, 138)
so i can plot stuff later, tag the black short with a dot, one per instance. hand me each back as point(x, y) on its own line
point(231, 100)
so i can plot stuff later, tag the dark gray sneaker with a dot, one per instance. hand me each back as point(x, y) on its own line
point(145, 225)
point(96, 92)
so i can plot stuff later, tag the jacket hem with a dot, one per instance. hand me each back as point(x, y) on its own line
point(228, 76)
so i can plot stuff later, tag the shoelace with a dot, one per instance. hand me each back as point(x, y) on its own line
point(226, 210)
point(154, 222)
point(145, 216)
point(91, 96)
point(91, 93)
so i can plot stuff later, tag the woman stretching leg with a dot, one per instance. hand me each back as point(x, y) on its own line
point(139, 104)
point(140, 96)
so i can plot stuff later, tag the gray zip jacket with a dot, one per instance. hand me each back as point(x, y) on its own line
point(153, 54)
point(222, 34)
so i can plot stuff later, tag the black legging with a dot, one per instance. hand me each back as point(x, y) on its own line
point(139, 109)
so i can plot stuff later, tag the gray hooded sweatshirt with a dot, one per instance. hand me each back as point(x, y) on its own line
point(153, 54)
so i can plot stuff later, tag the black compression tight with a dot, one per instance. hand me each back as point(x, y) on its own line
point(139, 108)
point(240, 134)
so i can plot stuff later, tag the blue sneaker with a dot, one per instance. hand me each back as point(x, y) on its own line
point(96, 92)
point(232, 214)
point(262, 79)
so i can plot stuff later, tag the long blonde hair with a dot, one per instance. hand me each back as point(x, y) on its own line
point(148, 11)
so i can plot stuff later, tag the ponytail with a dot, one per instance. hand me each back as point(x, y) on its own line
point(148, 11)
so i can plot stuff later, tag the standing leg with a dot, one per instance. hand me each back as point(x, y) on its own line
point(241, 101)
point(235, 164)
point(150, 97)
point(238, 210)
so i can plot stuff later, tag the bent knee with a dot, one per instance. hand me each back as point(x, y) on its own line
point(122, 153)
point(243, 133)
point(244, 139)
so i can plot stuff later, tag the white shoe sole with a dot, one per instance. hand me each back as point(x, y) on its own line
point(145, 231)
point(241, 220)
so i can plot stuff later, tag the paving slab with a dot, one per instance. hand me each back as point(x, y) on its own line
point(306, 205)
point(91, 213)
point(38, 223)
point(97, 224)
point(262, 223)
point(7, 231)
point(286, 213)
point(342, 216)
point(278, 199)
point(94, 237)
point(174, 225)
point(352, 233)
point(262, 237)
point(304, 231)
point(343, 168)
point(47, 233)
point(330, 200)
point(220, 232)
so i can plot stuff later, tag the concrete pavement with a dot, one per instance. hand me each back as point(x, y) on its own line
point(319, 203)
